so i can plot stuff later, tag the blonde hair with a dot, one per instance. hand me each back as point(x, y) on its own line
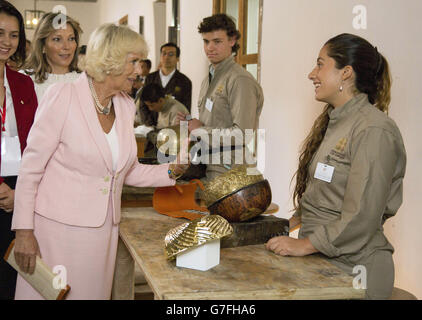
point(37, 63)
point(108, 48)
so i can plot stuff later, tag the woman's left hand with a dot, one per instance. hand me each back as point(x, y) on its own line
point(286, 246)
point(7, 198)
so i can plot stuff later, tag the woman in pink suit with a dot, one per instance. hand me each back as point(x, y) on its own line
point(80, 152)
point(18, 104)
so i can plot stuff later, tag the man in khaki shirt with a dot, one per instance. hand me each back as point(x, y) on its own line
point(167, 109)
point(165, 105)
point(230, 99)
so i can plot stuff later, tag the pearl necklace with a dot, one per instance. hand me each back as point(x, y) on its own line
point(100, 108)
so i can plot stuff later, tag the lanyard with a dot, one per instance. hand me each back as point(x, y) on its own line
point(3, 113)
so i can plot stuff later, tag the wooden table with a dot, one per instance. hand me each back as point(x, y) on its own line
point(140, 143)
point(249, 272)
point(137, 197)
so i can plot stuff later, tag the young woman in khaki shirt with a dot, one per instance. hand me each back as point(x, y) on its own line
point(351, 168)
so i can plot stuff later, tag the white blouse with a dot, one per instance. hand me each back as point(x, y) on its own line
point(113, 142)
point(10, 125)
point(41, 88)
point(166, 79)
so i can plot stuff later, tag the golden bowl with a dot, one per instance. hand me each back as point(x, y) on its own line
point(244, 204)
point(238, 195)
point(230, 182)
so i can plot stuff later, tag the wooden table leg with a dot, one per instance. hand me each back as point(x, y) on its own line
point(124, 274)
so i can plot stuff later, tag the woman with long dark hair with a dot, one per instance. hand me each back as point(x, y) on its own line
point(351, 167)
point(18, 104)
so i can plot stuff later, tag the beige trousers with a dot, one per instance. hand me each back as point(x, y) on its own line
point(379, 274)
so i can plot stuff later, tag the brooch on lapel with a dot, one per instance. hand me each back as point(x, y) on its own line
point(177, 89)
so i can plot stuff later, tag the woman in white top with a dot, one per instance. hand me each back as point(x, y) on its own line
point(54, 56)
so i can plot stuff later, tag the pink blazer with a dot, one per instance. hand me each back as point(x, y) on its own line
point(66, 170)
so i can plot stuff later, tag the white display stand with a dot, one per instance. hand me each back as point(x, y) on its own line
point(200, 258)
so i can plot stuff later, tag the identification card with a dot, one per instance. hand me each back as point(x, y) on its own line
point(324, 172)
point(209, 104)
point(10, 156)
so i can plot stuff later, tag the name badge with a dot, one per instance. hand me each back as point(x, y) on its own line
point(324, 172)
point(209, 104)
point(10, 156)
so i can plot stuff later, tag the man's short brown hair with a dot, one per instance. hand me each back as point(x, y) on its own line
point(221, 21)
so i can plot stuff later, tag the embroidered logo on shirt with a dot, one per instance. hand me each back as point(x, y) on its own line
point(219, 89)
point(341, 144)
point(338, 151)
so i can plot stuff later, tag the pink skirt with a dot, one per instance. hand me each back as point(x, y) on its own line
point(88, 256)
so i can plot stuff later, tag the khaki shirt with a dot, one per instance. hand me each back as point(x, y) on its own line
point(344, 219)
point(237, 101)
point(168, 115)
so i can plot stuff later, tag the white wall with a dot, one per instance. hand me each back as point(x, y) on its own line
point(169, 16)
point(86, 13)
point(112, 11)
point(293, 33)
point(193, 61)
point(91, 15)
point(160, 27)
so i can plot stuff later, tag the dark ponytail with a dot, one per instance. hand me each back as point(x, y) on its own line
point(383, 80)
point(370, 67)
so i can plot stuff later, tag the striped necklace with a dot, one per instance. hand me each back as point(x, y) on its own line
point(100, 108)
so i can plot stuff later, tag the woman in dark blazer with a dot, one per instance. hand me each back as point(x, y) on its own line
point(18, 104)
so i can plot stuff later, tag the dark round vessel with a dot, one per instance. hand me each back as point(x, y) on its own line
point(245, 203)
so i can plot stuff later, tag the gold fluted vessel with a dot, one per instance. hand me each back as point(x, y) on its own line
point(195, 233)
